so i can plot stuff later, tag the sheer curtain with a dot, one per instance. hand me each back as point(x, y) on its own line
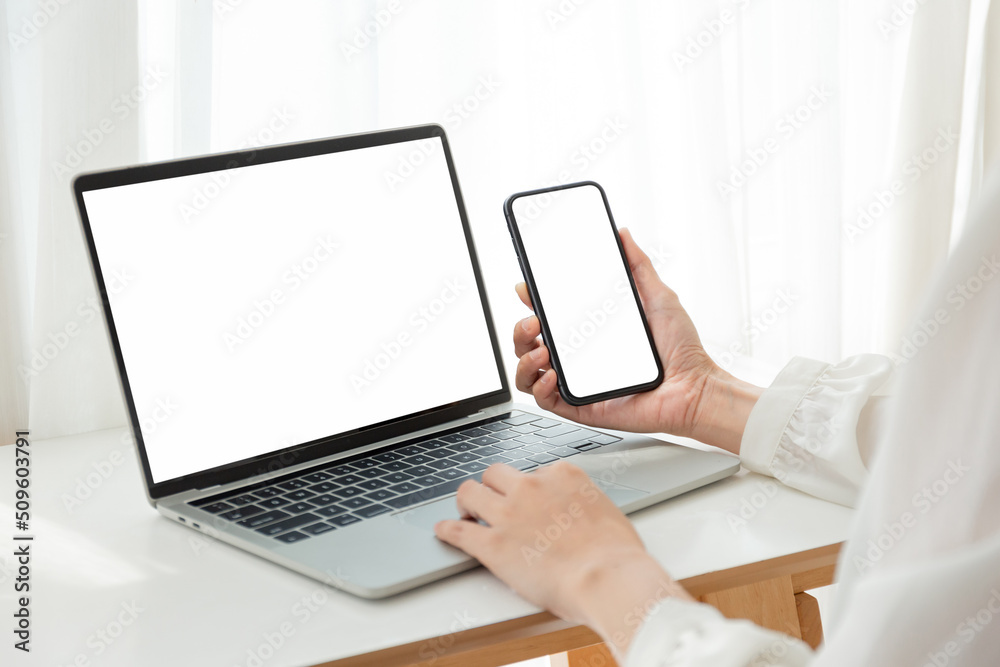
point(794, 168)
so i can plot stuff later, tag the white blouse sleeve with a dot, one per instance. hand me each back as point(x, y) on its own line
point(690, 634)
point(815, 427)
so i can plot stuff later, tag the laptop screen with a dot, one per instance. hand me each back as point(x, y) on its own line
point(269, 305)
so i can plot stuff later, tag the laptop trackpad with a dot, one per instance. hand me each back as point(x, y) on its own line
point(427, 515)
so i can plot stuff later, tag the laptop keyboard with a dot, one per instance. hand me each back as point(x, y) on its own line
point(316, 501)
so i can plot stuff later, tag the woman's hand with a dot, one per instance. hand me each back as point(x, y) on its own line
point(561, 543)
point(696, 398)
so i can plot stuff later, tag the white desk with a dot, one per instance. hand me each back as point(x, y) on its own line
point(206, 603)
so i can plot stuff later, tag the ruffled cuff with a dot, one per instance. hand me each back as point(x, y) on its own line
point(692, 634)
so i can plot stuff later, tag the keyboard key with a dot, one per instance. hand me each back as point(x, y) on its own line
point(504, 435)
point(586, 447)
point(421, 471)
point(322, 487)
point(427, 480)
point(263, 519)
point(537, 449)
point(397, 477)
point(318, 528)
point(381, 494)
point(410, 450)
point(604, 439)
point(340, 469)
point(508, 444)
point(452, 473)
point(316, 477)
point(385, 457)
point(241, 512)
point(443, 464)
point(427, 493)
point(526, 428)
point(405, 487)
point(395, 466)
point(419, 459)
point(292, 537)
point(561, 429)
point(292, 484)
point(523, 464)
point(528, 439)
point(344, 520)
point(495, 426)
point(496, 458)
point(300, 494)
point(274, 502)
point(245, 499)
point(488, 451)
point(372, 510)
point(474, 432)
point(215, 508)
point(564, 452)
point(323, 500)
point(452, 438)
point(332, 510)
point(569, 438)
point(462, 447)
point(520, 418)
point(373, 484)
point(267, 492)
point(348, 492)
point(465, 457)
point(298, 508)
point(431, 445)
point(363, 464)
point(475, 466)
point(439, 453)
point(543, 458)
point(344, 480)
point(354, 503)
point(287, 524)
point(371, 473)
point(545, 423)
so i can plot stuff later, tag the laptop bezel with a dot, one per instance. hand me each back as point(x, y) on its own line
point(322, 447)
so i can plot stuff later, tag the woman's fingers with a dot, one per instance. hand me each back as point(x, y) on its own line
point(522, 293)
point(529, 368)
point(526, 334)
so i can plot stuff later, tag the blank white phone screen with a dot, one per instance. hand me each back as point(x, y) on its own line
point(583, 285)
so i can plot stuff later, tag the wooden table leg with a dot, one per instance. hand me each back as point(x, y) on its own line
point(810, 624)
point(769, 603)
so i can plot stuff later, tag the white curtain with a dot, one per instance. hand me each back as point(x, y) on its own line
point(761, 150)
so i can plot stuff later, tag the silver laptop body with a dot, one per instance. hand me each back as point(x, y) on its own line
point(308, 359)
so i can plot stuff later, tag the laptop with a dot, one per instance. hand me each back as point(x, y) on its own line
point(313, 317)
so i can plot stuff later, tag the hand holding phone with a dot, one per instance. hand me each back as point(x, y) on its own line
point(583, 292)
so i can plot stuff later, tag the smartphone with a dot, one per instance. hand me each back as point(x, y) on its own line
point(582, 291)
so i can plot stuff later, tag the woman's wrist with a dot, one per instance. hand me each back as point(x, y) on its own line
point(615, 597)
point(724, 404)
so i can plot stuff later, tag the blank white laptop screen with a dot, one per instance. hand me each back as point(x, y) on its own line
point(266, 306)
